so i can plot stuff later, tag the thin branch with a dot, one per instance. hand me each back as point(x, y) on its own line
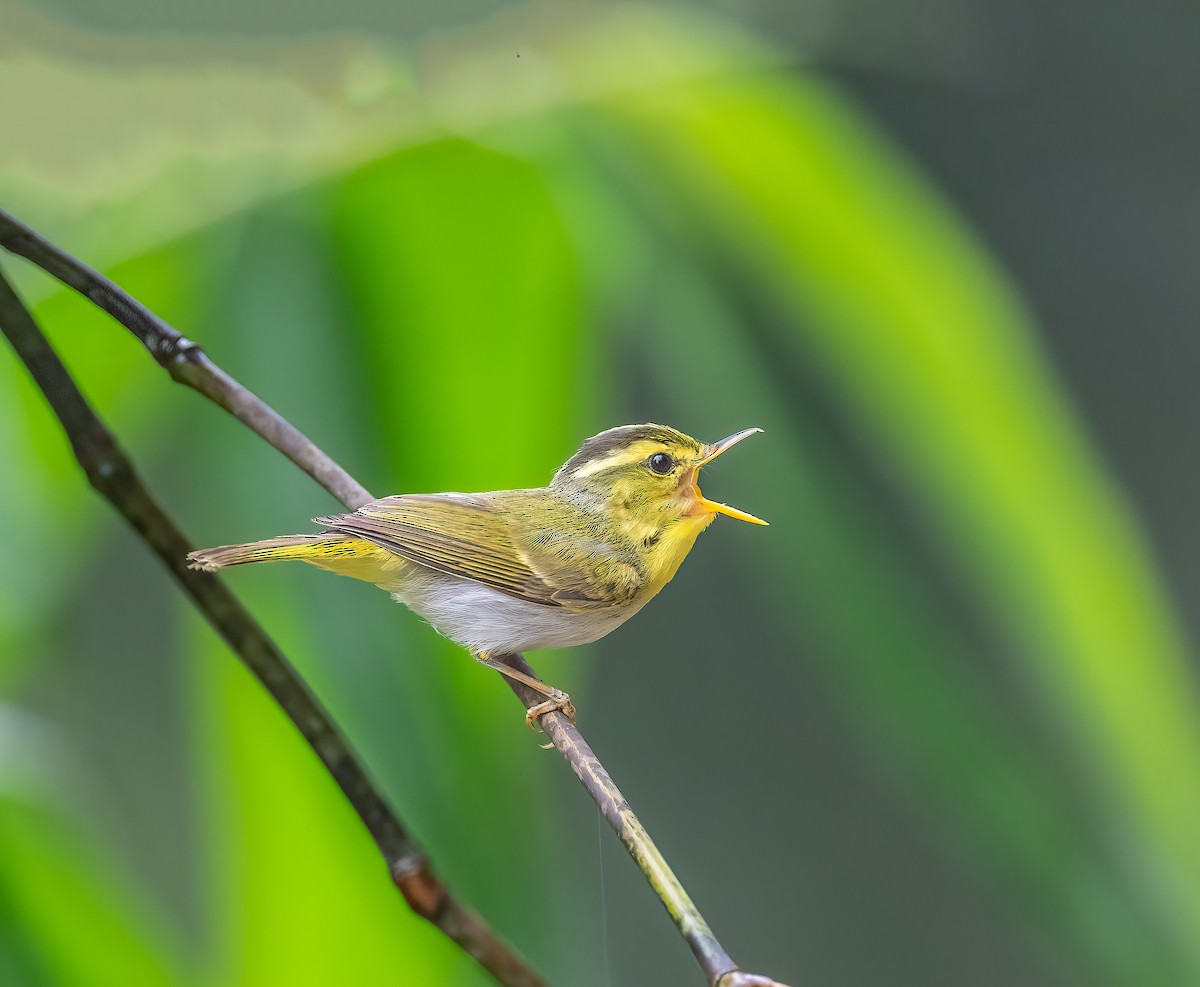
point(109, 470)
point(612, 804)
point(184, 360)
point(208, 379)
point(709, 953)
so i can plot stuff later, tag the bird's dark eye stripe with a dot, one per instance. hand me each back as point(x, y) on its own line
point(660, 462)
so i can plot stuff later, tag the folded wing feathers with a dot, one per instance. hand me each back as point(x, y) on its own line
point(419, 528)
point(462, 535)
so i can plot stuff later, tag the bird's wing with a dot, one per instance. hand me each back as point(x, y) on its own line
point(468, 536)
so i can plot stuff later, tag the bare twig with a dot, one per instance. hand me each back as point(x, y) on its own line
point(713, 960)
point(109, 470)
point(198, 372)
point(608, 798)
point(184, 360)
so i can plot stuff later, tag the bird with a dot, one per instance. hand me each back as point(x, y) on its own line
point(509, 571)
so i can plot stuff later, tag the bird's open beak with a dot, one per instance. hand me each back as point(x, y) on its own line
point(711, 452)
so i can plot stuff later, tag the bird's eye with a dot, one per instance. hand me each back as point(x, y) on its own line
point(661, 463)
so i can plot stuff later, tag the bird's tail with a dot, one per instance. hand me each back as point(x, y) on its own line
point(322, 550)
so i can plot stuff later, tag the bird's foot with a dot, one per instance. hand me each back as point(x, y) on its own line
point(556, 701)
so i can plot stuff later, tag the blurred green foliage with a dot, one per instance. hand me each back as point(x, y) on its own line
point(564, 224)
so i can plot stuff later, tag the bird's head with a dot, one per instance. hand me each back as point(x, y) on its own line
point(645, 475)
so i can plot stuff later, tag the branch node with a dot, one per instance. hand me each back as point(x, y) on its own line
point(168, 350)
point(423, 892)
point(102, 460)
point(101, 472)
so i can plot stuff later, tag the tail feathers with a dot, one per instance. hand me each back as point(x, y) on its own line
point(306, 547)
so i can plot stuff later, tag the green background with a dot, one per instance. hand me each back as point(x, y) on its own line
point(936, 725)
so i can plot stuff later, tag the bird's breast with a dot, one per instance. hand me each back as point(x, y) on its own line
point(484, 619)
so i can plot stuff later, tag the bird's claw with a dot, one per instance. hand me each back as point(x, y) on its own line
point(557, 702)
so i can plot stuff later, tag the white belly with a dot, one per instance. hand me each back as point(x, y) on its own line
point(484, 619)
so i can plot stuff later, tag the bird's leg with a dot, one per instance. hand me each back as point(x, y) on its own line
point(556, 699)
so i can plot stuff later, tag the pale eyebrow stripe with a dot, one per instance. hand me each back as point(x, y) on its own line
point(631, 455)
